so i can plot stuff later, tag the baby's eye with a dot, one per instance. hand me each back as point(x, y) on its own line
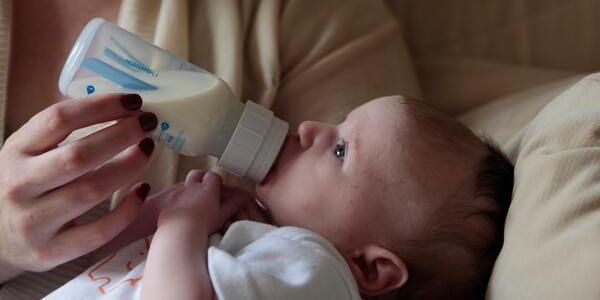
point(340, 150)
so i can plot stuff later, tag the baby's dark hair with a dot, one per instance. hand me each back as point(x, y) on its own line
point(456, 260)
point(495, 183)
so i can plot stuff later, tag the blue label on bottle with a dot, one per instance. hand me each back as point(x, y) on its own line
point(90, 89)
point(170, 137)
point(130, 61)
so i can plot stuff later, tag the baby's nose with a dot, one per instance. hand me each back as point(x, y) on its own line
point(307, 131)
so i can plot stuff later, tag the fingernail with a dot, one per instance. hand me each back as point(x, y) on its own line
point(131, 101)
point(148, 121)
point(143, 191)
point(146, 145)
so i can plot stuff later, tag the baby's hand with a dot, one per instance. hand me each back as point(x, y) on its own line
point(250, 210)
point(198, 203)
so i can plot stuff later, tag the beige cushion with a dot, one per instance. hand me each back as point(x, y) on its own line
point(554, 34)
point(457, 84)
point(501, 119)
point(552, 233)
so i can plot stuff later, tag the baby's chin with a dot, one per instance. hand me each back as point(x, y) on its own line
point(261, 192)
point(266, 197)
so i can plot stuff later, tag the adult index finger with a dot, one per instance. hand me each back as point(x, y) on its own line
point(49, 127)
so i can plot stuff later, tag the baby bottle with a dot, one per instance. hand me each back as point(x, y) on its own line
point(197, 112)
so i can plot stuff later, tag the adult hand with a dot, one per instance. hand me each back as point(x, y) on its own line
point(44, 185)
point(145, 223)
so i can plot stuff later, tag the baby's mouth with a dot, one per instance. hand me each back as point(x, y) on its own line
point(273, 169)
point(271, 172)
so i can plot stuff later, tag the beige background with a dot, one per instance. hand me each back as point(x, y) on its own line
point(468, 52)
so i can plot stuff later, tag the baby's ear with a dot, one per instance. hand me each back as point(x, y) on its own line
point(376, 270)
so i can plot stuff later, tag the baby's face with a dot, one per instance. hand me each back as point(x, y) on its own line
point(375, 184)
point(328, 177)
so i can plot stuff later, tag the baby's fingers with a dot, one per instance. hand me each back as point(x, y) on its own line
point(256, 213)
point(194, 176)
point(211, 183)
point(212, 179)
point(230, 208)
point(242, 215)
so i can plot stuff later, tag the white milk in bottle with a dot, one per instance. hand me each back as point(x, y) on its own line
point(190, 106)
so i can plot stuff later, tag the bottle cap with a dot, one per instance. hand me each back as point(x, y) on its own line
point(255, 143)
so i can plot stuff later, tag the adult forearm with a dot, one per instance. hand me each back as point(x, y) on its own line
point(177, 267)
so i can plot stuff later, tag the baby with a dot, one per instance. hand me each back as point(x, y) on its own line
point(398, 199)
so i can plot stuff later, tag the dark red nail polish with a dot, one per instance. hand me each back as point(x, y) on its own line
point(131, 101)
point(143, 191)
point(146, 145)
point(148, 121)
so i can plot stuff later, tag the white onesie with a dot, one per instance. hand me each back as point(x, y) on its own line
point(251, 261)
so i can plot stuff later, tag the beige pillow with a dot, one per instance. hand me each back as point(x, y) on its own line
point(552, 233)
point(501, 119)
point(456, 84)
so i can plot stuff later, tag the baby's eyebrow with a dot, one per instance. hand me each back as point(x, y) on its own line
point(353, 139)
point(348, 114)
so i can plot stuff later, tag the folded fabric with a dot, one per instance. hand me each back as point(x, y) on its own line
point(251, 261)
point(552, 233)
